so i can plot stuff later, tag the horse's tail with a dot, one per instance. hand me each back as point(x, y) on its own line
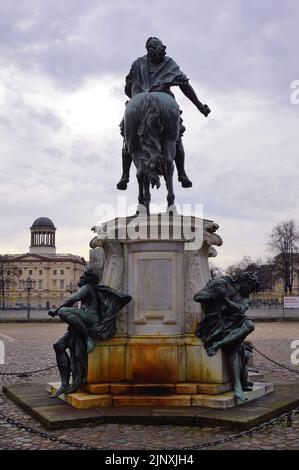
point(150, 133)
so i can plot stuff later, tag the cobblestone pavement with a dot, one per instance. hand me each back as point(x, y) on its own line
point(29, 346)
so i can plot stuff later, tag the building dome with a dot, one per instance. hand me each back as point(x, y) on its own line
point(43, 236)
point(42, 222)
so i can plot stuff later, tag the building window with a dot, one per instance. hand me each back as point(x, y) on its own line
point(62, 271)
point(61, 283)
point(54, 272)
point(20, 272)
point(40, 283)
point(30, 272)
point(40, 272)
point(54, 282)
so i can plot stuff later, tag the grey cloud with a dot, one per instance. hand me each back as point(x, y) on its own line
point(228, 44)
point(228, 49)
point(46, 118)
point(53, 152)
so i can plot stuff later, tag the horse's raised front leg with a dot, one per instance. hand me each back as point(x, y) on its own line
point(169, 150)
point(141, 193)
point(147, 194)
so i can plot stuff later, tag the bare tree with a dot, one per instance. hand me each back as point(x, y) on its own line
point(246, 264)
point(268, 275)
point(284, 245)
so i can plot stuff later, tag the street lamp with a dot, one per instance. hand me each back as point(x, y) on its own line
point(28, 285)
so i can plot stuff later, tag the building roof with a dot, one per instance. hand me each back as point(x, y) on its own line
point(43, 257)
point(42, 222)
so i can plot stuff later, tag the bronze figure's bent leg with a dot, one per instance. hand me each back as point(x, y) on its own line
point(235, 336)
point(63, 363)
point(72, 317)
point(234, 363)
point(78, 354)
point(246, 353)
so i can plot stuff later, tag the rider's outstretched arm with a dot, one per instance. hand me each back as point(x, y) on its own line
point(188, 91)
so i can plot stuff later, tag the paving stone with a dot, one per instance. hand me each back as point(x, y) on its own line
point(63, 415)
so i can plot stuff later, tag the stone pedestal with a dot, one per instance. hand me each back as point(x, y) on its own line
point(155, 359)
point(161, 261)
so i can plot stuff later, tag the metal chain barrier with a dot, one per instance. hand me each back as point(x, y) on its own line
point(45, 435)
point(275, 362)
point(42, 434)
point(27, 373)
point(286, 416)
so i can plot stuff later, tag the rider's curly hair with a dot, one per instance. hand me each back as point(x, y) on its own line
point(153, 38)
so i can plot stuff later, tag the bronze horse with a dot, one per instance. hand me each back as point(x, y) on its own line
point(151, 130)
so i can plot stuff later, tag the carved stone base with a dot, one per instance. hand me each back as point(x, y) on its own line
point(158, 389)
point(174, 359)
point(121, 395)
point(160, 268)
point(155, 349)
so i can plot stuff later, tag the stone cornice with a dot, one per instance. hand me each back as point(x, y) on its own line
point(40, 257)
point(174, 227)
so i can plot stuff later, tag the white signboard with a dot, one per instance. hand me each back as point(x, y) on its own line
point(291, 302)
point(2, 353)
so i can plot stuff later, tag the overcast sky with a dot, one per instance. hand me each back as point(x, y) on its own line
point(62, 69)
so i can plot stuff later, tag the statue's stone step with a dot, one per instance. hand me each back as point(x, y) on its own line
point(58, 414)
point(256, 376)
point(151, 400)
point(227, 400)
point(86, 400)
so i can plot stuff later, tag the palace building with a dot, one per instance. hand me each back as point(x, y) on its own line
point(52, 276)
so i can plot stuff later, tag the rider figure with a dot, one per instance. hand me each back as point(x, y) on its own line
point(157, 72)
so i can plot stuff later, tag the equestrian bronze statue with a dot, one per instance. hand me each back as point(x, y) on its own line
point(152, 126)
